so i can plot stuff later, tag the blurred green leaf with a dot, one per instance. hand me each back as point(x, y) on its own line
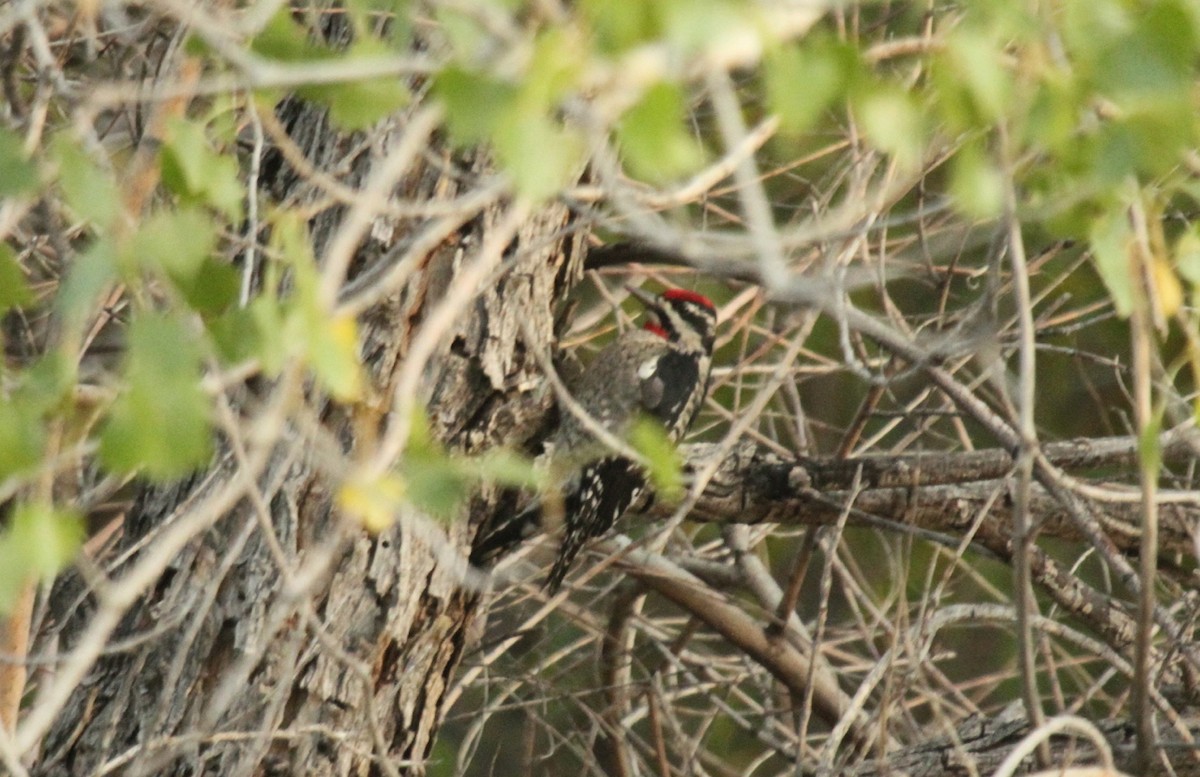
point(38, 542)
point(21, 437)
point(400, 16)
point(329, 345)
point(197, 173)
point(505, 467)
point(421, 441)
point(661, 456)
point(89, 190)
point(541, 155)
point(235, 335)
point(653, 137)
point(272, 348)
point(180, 243)
point(282, 38)
point(1110, 237)
point(14, 291)
point(1052, 117)
point(467, 36)
point(434, 481)
point(18, 174)
point(355, 105)
point(1150, 59)
point(435, 484)
point(693, 25)
point(359, 104)
point(891, 119)
point(976, 184)
point(91, 272)
point(620, 24)
point(159, 424)
point(475, 103)
point(975, 60)
point(804, 79)
point(554, 69)
point(1187, 255)
point(46, 384)
point(333, 350)
point(175, 242)
point(213, 289)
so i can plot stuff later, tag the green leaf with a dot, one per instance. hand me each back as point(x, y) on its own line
point(46, 384)
point(1152, 59)
point(662, 458)
point(974, 59)
point(1187, 255)
point(693, 25)
point(474, 103)
point(90, 191)
point(180, 244)
point(159, 424)
point(21, 437)
point(653, 138)
point(435, 484)
point(355, 105)
point(1050, 121)
point(618, 25)
point(1110, 237)
point(271, 348)
point(541, 155)
point(197, 173)
point(285, 40)
point(400, 14)
point(235, 335)
point(554, 69)
point(333, 351)
point(14, 291)
point(504, 467)
point(803, 80)
point(213, 289)
point(39, 541)
point(465, 32)
point(91, 272)
point(434, 481)
point(976, 184)
point(892, 120)
point(18, 175)
point(175, 242)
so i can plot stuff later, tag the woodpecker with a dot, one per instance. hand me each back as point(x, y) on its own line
point(661, 372)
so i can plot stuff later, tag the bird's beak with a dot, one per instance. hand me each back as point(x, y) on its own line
point(644, 297)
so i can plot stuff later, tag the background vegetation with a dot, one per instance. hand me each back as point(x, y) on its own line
point(954, 253)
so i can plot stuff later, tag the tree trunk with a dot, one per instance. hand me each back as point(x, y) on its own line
point(333, 659)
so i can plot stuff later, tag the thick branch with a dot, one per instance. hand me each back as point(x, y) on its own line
point(944, 492)
point(984, 743)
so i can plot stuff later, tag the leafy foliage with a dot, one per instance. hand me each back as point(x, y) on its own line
point(924, 194)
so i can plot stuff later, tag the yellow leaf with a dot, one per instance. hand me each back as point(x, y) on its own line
point(1167, 287)
point(374, 502)
point(335, 358)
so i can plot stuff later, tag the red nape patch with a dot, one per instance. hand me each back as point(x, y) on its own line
point(656, 329)
point(690, 296)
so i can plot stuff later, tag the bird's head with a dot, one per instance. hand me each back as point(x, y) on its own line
point(680, 316)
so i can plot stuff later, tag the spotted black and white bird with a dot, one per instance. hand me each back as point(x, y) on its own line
point(660, 372)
